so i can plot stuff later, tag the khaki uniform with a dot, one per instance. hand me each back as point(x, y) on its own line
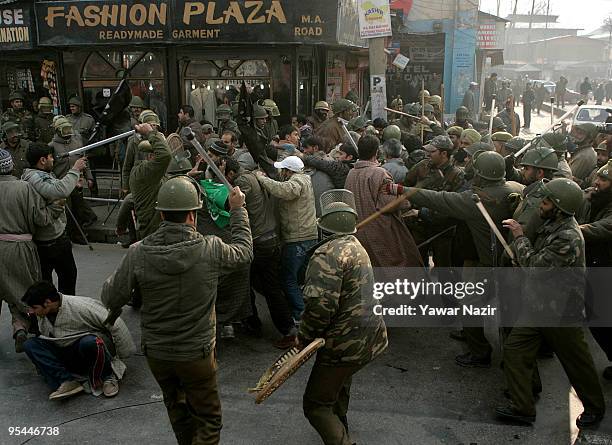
point(558, 244)
point(582, 163)
point(338, 276)
point(495, 197)
point(23, 212)
point(133, 157)
point(270, 129)
point(43, 125)
point(19, 156)
point(24, 119)
point(177, 270)
point(83, 124)
point(563, 170)
point(145, 181)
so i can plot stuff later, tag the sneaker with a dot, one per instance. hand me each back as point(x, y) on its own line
point(66, 389)
point(288, 341)
point(227, 331)
point(20, 339)
point(110, 388)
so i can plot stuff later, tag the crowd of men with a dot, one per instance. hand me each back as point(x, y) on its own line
point(286, 229)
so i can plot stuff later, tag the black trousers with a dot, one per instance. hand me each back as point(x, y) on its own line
point(603, 337)
point(57, 256)
point(527, 115)
point(265, 279)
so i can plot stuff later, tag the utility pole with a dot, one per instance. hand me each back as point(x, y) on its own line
point(378, 72)
point(498, 5)
point(530, 21)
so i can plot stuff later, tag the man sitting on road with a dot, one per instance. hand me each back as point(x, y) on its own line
point(75, 345)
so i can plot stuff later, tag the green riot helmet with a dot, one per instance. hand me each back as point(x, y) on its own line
point(224, 110)
point(16, 95)
point(429, 109)
point(392, 132)
point(271, 107)
point(322, 105)
point(474, 149)
point(75, 100)
point(9, 126)
point(498, 124)
point(556, 141)
point(179, 165)
point(590, 130)
point(136, 102)
point(342, 105)
point(357, 123)
point(462, 113)
point(565, 194)
point(179, 194)
point(149, 117)
point(338, 214)
point(541, 157)
point(259, 112)
point(45, 105)
point(490, 165)
point(515, 144)
point(63, 127)
point(605, 172)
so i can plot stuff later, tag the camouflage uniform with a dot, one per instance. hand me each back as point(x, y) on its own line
point(337, 309)
point(24, 119)
point(145, 181)
point(559, 245)
point(43, 124)
point(527, 213)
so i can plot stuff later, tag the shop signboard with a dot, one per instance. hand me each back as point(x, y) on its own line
point(374, 19)
point(91, 22)
point(16, 30)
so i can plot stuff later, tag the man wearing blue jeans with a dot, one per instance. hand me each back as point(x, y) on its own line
point(298, 223)
point(74, 342)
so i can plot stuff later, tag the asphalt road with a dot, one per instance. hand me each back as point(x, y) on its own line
point(413, 394)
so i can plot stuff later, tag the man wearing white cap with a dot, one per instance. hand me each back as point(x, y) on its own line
point(298, 223)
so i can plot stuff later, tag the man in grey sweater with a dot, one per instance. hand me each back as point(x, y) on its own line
point(52, 241)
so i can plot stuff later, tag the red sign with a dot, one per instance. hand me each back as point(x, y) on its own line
point(404, 5)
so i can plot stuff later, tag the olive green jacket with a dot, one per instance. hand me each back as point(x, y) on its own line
point(498, 200)
point(177, 270)
point(145, 181)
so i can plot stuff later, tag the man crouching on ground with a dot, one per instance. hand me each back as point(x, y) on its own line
point(75, 345)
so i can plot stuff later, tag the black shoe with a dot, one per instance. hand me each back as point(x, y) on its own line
point(607, 374)
point(458, 335)
point(507, 413)
point(252, 326)
point(536, 395)
point(470, 360)
point(586, 420)
point(20, 338)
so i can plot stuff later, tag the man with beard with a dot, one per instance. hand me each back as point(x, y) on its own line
point(596, 227)
point(82, 123)
point(19, 115)
point(558, 247)
point(603, 156)
point(387, 240)
point(13, 142)
point(52, 242)
point(584, 158)
point(319, 115)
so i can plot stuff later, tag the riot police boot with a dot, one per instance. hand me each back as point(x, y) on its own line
point(509, 414)
point(587, 420)
point(470, 360)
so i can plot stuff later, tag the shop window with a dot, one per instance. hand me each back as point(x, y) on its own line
point(210, 83)
point(102, 72)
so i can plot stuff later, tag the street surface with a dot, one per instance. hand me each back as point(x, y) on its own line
point(413, 394)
